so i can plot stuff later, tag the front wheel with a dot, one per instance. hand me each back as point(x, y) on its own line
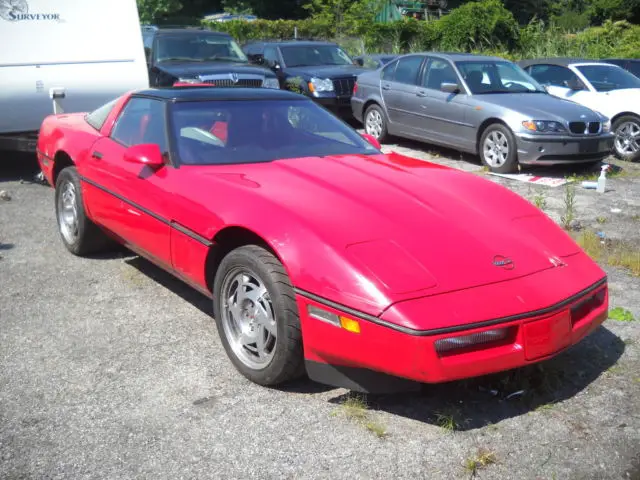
point(257, 316)
point(498, 149)
point(79, 234)
point(627, 137)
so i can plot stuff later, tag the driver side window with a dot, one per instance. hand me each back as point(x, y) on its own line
point(553, 75)
point(271, 56)
point(141, 121)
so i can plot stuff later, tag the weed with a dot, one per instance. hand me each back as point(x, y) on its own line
point(355, 408)
point(629, 341)
point(569, 206)
point(626, 257)
point(446, 422)
point(621, 315)
point(540, 201)
point(636, 217)
point(601, 220)
point(591, 244)
point(545, 407)
point(481, 460)
point(615, 369)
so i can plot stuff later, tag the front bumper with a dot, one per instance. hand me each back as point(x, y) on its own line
point(553, 149)
point(332, 102)
point(380, 359)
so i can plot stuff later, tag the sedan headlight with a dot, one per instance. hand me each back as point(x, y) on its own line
point(606, 126)
point(271, 83)
point(320, 85)
point(544, 126)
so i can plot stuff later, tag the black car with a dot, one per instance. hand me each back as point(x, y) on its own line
point(196, 55)
point(631, 65)
point(321, 70)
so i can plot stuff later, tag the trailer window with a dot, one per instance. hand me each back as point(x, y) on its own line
point(97, 118)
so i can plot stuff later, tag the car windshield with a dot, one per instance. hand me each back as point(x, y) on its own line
point(605, 78)
point(485, 77)
point(220, 132)
point(312, 55)
point(198, 48)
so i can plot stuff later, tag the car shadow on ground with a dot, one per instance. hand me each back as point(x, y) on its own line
point(18, 166)
point(479, 402)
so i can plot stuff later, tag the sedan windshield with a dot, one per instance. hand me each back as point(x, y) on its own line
point(198, 48)
point(605, 78)
point(485, 77)
point(218, 132)
point(313, 55)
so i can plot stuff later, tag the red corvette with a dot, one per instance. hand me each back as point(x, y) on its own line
point(322, 255)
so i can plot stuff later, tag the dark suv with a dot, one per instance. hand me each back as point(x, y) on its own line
point(196, 55)
point(322, 70)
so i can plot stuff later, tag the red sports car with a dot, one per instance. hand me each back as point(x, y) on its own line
point(322, 255)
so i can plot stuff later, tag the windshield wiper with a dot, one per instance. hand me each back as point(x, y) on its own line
point(224, 59)
point(181, 59)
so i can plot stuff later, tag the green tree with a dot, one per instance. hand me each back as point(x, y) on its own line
point(151, 10)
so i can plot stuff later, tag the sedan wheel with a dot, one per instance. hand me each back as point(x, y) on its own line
point(627, 138)
point(68, 212)
point(498, 149)
point(375, 123)
point(257, 316)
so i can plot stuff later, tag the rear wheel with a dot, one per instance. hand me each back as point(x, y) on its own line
point(498, 149)
point(627, 137)
point(257, 316)
point(375, 123)
point(79, 234)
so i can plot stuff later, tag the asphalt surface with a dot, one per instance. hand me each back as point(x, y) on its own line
point(110, 368)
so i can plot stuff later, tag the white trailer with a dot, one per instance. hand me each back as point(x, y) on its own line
point(60, 56)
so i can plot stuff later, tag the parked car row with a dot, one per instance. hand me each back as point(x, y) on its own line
point(545, 111)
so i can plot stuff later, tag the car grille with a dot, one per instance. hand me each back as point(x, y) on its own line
point(583, 128)
point(344, 86)
point(242, 82)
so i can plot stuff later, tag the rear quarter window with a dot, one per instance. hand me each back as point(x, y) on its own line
point(97, 118)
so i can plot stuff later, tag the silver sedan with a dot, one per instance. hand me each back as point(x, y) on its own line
point(481, 105)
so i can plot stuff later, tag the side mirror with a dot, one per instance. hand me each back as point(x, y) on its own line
point(258, 59)
point(144, 154)
point(372, 140)
point(449, 87)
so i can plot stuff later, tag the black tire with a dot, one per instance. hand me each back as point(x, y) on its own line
point(502, 132)
point(620, 122)
point(376, 110)
point(89, 238)
point(287, 363)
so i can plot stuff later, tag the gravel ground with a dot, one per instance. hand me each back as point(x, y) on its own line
point(110, 368)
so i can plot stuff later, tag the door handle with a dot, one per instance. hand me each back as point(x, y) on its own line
point(421, 94)
point(386, 86)
point(96, 155)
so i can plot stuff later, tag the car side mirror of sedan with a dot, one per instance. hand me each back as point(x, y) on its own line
point(372, 140)
point(144, 154)
point(449, 87)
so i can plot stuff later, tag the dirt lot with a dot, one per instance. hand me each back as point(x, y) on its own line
point(110, 368)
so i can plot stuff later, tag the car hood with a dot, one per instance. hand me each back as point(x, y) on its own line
point(193, 69)
point(326, 71)
point(540, 106)
point(411, 227)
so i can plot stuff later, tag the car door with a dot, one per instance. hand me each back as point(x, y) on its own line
point(137, 209)
point(440, 116)
point(399, 88)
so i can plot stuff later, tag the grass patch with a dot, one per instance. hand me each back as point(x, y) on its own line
point(615, 254)
point(620, 314)
point(446, 422)
point(355, 409)
point(601, 220)
point(482, 459)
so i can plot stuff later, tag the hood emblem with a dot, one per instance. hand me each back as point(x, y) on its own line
point(234, 77)
point(503, 262)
